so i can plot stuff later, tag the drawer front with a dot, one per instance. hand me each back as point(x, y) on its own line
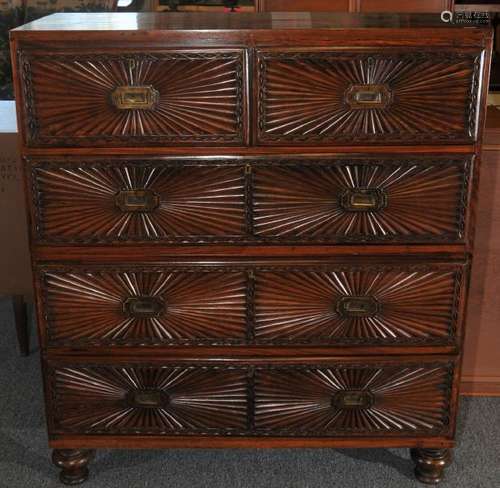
point(120, 201)
point(149, 306)
point(147, 399)
point(277, 305)
point(365, 399)
point(371, 200)
point(163, 98)
point(358, 305)
point(310, 201)
point(338, 97)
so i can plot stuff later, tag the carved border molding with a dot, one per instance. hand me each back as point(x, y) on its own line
point(251, 370)
point(249, 168)
point(470, 124)
point(459, 274)
point(34, 138)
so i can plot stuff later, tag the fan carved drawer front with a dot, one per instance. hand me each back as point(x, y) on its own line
point(309, 304)
point(363, 398)
point(310, 97)
point(311, 201)
point(158, 98)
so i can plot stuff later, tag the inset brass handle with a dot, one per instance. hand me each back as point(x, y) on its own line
point(368, 96)
point(146, 398)
point(352, 399)
point(143, 307)
point(137, 200)
point(363, 199)
point(358, 306)
point(135, 97)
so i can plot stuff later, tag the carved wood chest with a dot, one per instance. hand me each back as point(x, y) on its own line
point(251, 230)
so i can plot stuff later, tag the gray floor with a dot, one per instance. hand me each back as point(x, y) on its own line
point(24, 456)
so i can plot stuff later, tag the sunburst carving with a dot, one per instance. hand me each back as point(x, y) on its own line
point(305, 202)
point(359, 400)
point(402, 305)
point(307, 97)
point(79, 202)
point(198, 98)
point(170, 307)
point(148, 399)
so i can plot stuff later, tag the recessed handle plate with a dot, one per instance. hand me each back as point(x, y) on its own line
point(352, 399)
point(143, 307)
point(363, 199)
point(365, 306)
point(146, 398)
point(137, 200)
point(135, 97)
point(368, 96)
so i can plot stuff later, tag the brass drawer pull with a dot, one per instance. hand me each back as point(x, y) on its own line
point(368, 96)
point(137, 200)
point(363, 199)
point(135, 97)
point(352, 399)
point(357, 306)
point(143, 307)
point(146, 398)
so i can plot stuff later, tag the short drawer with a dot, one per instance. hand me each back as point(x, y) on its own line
point(354, 399)
point(132, 201)
point(323, 304)
point(147, 399)
point(362, 200)
point(392, 97)
point(369, 398)
point(159, 98)
point(310, 201)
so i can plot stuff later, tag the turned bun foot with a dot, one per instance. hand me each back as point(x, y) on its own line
point(430, 464)
point(73, 464)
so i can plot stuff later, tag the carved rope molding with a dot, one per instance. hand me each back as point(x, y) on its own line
point(470, 105)
point(249, 371)
point(250, 319)
point(249, 170)
point(34, 138)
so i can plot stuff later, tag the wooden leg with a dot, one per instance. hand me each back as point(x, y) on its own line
point(21, 320)
point(430, 464)
point(73, 464)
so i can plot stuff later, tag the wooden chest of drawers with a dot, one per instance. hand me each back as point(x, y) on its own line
point(251, 231)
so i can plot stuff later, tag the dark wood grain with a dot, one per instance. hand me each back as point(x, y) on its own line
point(200, 98)
point(237, 217)
point(303, 97)
point(430, 464)
point(303, 201)
point(73, 464)
point(215, 400)
point(260, 304)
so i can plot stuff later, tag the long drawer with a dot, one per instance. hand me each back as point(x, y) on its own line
point(134, 98)
point(361, 398)
point(311, 97)
point(303, 200)
point(197, 97)
point(306, 303)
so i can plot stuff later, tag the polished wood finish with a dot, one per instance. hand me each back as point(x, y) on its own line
point(306, 5)
point(430, 464)
point(354, 5)
point(304, 98)
point(405, 5)
point(295, 232)
point(73, 464)
point(241, 200)
point(234, 400)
